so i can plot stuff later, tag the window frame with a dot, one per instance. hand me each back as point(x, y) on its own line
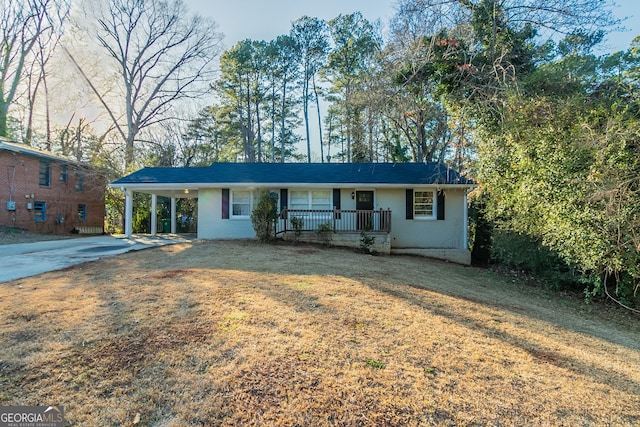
point(79, 181)
point(82, 212)
point(39, 211)
point(44, 174)
point(64, 174)
point(416, 203)
point(232, 203)
point(311, 202)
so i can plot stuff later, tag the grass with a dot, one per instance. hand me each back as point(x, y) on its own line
point(238, 333)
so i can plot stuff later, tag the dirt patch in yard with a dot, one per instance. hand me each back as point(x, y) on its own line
point(239, 333)
point(12, 235)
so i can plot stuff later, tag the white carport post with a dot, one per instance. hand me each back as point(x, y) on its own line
point(154, 214)
point(173, 215)
point(128, 213)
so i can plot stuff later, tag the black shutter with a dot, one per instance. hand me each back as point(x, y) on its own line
point(409, 206)
point(284, 202)
point(440, 205)
point(225, 203)
point(336, 202)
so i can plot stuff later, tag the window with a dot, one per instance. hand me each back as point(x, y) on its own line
point(45, 174)
point(79, 181)
point(240, 203)
point(321, 199)
point(423, 202)
point(315, 199)
point(39, 211)
point(82, 212)
point(63, 173)
point(299, 200)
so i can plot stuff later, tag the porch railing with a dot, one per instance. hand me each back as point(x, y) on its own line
point(340, 221)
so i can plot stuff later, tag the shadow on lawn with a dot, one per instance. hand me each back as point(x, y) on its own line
point(406, 278)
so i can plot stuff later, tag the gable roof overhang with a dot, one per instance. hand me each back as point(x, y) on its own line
point(27, 150)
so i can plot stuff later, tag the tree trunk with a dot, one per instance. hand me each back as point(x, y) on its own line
point(305, 108)
point(282, 119)
point(315, 91)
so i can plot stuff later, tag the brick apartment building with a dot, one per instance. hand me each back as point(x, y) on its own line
point(49, 194)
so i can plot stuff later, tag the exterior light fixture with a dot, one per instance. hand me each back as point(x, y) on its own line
point(186, 191)
point(353, 195)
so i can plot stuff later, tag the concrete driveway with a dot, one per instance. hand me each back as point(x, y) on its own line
point(28, 259)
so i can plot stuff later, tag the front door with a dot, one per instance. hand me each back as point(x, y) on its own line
point(364, 206)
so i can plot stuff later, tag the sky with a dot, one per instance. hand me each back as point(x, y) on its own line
point(267, 19)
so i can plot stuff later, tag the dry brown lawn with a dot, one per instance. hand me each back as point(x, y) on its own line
point(240, 334)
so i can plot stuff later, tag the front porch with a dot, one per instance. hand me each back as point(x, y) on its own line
point(337, 227)
point(337, 220)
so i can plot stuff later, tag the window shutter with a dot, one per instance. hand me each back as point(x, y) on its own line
point(440, 205)
point(409, 206)
point(336, 202)
point(225, 203)
point(284, 201)
point(336, 198)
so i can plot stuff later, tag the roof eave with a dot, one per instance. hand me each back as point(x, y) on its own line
point(205, 185)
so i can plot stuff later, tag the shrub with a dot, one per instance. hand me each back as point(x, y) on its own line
point(324, 232)
point(522, 252)
point(366, 242)
point(297, 223)
point(265, 215)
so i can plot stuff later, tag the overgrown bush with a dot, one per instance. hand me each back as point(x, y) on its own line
point(523, 253)
point(567, 173)
point(298, 224)
point(480, 230)
point(367, 242)
point(265, 215)
point(325, 232)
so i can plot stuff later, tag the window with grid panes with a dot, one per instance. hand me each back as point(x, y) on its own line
point(240, 203)
point(423, 203)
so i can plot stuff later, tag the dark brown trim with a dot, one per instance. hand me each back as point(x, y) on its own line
point(225, 203)
point(440, 205)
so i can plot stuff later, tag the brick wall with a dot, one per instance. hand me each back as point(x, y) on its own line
point(20, 180)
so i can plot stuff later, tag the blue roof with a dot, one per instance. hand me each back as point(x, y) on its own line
point(299, 173)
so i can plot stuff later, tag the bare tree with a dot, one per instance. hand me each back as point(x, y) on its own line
point(42, 53)
point(162, 55)
point(22, 24)
point(415, 16)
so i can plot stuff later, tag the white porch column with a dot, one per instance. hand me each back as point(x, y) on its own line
point(173, 215)
point(154, 214)
point(465, 221)
point(128, 213)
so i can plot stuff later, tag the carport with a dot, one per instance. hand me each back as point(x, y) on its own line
point(173, 193)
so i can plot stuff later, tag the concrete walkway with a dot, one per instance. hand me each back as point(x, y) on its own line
point(29, 259)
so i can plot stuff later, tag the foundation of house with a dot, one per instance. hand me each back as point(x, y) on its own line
point(380, 245)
